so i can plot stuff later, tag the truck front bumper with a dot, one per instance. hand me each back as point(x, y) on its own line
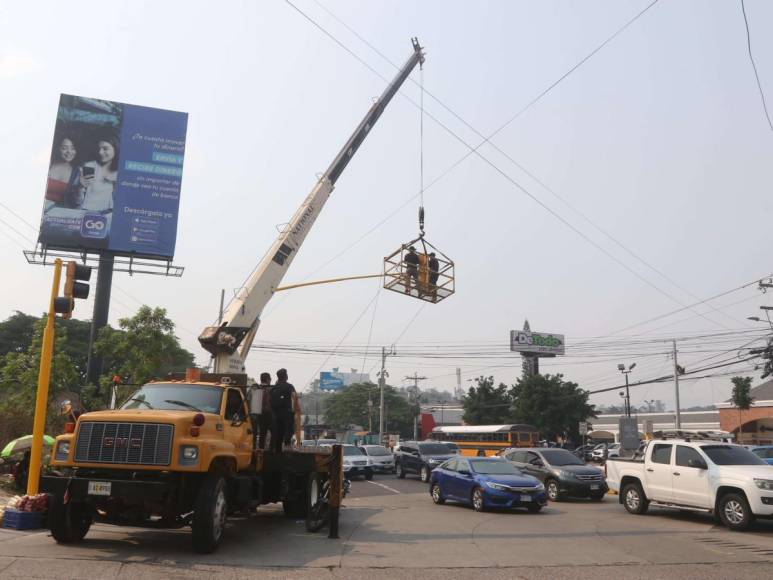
point(132, 491)
point(761, 504)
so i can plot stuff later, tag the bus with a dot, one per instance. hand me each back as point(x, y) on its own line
point(487, 440)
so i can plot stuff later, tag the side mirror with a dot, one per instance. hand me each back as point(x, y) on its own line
point(236, 420)
point(697, 463)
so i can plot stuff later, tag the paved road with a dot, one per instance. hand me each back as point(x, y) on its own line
point(390, 528)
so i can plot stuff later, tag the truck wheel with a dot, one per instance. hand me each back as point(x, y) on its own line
point(70, 522)
point(318, 513)
point(297, 505)
point(551, 485)
point(734, 511)
point(634, 500)
point(209, 514)
point(424, 474)
point(368, 474)
point(400, 471)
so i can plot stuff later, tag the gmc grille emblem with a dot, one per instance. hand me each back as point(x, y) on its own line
point(122, 442)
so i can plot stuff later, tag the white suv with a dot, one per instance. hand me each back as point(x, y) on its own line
point(355, 463)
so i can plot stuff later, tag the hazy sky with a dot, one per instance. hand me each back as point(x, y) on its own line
point(659, 139)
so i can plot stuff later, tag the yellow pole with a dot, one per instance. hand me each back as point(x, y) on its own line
point(329, 281)
point(44, 376)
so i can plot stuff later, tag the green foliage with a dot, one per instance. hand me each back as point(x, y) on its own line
point(486, 404)
point(741, 396)
point(350, 407)
point(554, 406)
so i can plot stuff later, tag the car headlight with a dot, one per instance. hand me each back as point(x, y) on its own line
point(766, 484)
point(189, 452)
point(63, 450)
point(496, 486)
point(540, 487)
point(566, 474)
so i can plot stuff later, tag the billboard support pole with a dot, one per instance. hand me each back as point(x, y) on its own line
point(101, 311)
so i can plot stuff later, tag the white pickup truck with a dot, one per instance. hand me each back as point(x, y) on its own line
point(720, 478)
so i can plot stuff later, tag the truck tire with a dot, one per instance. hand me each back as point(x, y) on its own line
point(399, 471)
point(634, 500)
point(69, 523)
point(734, 511)
point(209, 514)
point(297, 505)
point(318, 514)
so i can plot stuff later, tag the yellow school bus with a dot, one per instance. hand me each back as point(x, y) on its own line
point(487, 440)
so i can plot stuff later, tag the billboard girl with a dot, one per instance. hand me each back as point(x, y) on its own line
point(98, 177)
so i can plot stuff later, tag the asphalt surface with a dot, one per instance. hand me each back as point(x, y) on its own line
point(391, 529)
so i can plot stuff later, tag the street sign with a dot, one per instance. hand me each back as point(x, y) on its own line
point(583, 428)
point(629, 433)
point(536, 342)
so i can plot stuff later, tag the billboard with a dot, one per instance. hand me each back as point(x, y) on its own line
point(536, 342)
point(335, 380)
point(114, 178)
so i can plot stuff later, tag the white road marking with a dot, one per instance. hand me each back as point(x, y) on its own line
point(384, 486)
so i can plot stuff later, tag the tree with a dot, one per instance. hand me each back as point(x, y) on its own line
point(486, 404)
point(19, 381)
point(554, 406)
point(350, 407)
point(144, 347)
point(742, 399)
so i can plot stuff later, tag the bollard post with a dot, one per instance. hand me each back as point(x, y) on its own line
point(336, 488)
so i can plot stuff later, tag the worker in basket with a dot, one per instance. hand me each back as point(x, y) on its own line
point(411, 261)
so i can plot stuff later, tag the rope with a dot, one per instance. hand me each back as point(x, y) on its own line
point(421, 149)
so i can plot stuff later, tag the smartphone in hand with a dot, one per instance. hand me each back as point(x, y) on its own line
point(88, 171)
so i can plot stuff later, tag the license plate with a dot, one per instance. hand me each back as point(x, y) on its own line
point(99, 487)
point(525, 498)
point(595, 486)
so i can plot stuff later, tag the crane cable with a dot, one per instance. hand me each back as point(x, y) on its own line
point(421, 150)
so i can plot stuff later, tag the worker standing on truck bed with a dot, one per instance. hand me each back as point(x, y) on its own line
point(260, 409)
point(282, 406)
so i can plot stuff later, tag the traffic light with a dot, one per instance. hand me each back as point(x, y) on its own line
point(73, 289)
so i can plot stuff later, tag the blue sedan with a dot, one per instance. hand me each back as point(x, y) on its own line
point(486, 482)
point(764, 452)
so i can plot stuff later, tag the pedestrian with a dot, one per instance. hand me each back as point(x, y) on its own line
point(283, 404)
point(411, 261)
point(434, 273)
point(260, 410)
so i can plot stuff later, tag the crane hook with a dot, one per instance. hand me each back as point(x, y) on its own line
point(421, 221)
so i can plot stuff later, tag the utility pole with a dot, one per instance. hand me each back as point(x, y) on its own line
point(676, 388)
point(627, 396)
point(382, 375)
point(458, 384)
point(416, 378)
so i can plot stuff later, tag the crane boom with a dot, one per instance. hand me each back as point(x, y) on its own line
point(230, 342)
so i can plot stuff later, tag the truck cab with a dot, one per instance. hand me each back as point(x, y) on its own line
point(724, 479)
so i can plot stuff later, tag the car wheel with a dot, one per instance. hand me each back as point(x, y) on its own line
point(424, 474)
point(551, 486)
point(734, 511)
point(437, 497)
point(369, 474)
point(597, 497)
point(477, 500)
point(534, 508)
point(634, 500)
point(399, 471)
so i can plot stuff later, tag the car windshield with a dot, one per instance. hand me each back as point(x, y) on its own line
point(176, 397)
point(561, 457)
point(376, 451)
point(731, 455)
point(351, 450)
point(493, 467)
point(433, 449)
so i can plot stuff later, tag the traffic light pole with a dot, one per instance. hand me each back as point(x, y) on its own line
point(101, 311)
point(44, 377)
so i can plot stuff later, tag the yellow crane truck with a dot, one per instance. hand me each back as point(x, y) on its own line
point(181, 451)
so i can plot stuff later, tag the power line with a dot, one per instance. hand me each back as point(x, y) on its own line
point(754, 65)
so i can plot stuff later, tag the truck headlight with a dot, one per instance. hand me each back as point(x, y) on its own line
point(189, 453)
point(62, 451)
point(766, 484)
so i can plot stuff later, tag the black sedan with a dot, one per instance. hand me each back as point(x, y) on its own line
point(563, 473)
